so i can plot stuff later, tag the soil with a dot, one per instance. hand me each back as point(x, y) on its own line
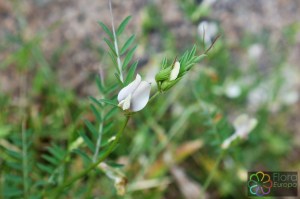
point(72, 27)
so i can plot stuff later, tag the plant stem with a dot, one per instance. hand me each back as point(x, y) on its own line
point(24, 162)
point(95, 164)
point(98, 145)
point(213, 171)
point(92, 174)
point(116, 43)
point(92, 178)
point(153, 96)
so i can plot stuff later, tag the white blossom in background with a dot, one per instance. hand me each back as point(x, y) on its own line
point(268, 94)
point(289, 92)
point(260, 95)
point(243, 125)
point(208, 31)
point(233, 90)
point(208, 2)
point(255, 51)
point(291, 97)
point(135, 96)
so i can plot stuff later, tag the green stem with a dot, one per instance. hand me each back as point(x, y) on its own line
point(99, 139)
point(116, 43)
point(153, 96)
point(213, 171)
point(24, 162)
point(93, 165)
point(92, 178)
point(92, 175)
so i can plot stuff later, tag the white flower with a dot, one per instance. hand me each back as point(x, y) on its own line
point(207, 31)
point(233, 90)
point(208, 2)
point(259, 96)
point(175, 71)
point(290, 97)
point(226, 143)
point(255, 51)
point(243, 125)
point(135, 95)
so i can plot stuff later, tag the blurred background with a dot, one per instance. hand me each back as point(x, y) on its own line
point(52, 50)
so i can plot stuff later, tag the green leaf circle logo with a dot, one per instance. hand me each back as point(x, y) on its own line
point(260, 184)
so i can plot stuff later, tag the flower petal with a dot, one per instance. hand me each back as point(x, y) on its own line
point(226, 143)
point(125, 104)
point(140, 96)
point(129, 89)
point(175, 71)
point(240, 121)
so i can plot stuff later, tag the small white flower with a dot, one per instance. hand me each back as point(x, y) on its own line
point(233, 91)
point(175, 71)
point(259, 96)
point(207, 31)
point(255, 51)
point(290, 97)
point(135, 95)
point(228, 141)
point(243, 125)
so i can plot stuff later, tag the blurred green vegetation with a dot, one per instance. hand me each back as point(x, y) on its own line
point(189, 123)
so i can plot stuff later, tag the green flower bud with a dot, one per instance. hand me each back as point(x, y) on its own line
point(163, 74)
point(166, 85)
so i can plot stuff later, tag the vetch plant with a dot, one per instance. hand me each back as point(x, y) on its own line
point(122, 142)
point(133, 96)
point(93, 145)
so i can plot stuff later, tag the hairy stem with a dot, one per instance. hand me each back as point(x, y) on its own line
point(116, 42)
point(24, 162)
point(92, 174)
point(98, 144)
point(95, 164)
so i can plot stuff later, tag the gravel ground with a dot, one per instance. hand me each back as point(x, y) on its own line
point(74, 24)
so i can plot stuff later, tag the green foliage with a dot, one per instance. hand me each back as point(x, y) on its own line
point(116, 54)
point(17, 167)
point(76, 148)
point(187, 61)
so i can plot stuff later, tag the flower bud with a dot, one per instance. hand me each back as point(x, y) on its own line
point(163, 74)
point(166, 85)
point(175, 71)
